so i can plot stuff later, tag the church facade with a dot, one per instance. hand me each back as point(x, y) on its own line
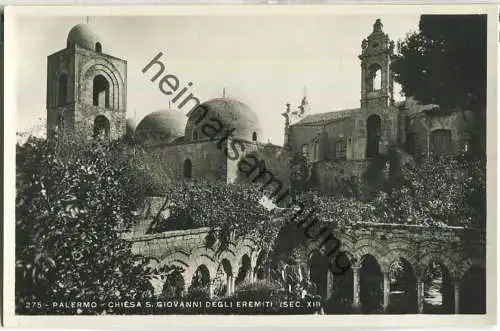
point(342, 142)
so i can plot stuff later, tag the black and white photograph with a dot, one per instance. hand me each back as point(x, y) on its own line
point(206, 163)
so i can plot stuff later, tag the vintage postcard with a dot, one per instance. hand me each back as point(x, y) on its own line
point(253, 165)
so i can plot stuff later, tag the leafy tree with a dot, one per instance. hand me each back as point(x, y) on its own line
point(72, 209)
point(445, 64)
point(299, 173)
point(231, 211)
point(438, 191)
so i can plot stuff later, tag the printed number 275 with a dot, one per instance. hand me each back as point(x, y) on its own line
point(33, 305)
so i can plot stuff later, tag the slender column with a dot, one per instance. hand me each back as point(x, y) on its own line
point(387, 290)
point(267, 273)
point(211, 289)
point(185, 290)
point(230, 285)
point(356, 303)
point(157, 284)
point(420, 295)
point(250, 275)
point(456, 286)
point(329, 284)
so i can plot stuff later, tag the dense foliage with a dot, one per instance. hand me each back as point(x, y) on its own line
point(440, 191)
point(72, 206)
point(231, 211)
point(445, 64)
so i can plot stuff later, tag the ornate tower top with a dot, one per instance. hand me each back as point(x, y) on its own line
point(377, 79)
point(304, 105)
point(376, 42)
point(377, 26)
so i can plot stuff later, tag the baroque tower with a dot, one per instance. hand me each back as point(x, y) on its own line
point(377, 83)
point(86, 88)
point(376, 122)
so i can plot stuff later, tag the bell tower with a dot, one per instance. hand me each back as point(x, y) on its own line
point(86, 88)
point(377, 83)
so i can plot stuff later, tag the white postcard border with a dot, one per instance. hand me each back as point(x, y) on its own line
point(10, 319)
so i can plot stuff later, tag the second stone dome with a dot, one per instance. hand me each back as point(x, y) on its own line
point(232, 114)
point(161, 126)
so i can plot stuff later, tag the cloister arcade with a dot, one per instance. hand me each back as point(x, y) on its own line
point(407, 272)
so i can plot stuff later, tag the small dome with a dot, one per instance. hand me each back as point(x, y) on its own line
point(83, 36)
point(161, 126)
point(231, 113)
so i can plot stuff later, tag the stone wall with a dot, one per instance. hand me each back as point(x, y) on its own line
point(208, 161)
point(276, 163)
point(328, 173)
point(302, 134)
point(62, 62)
point(161, 245)
point(421, 126)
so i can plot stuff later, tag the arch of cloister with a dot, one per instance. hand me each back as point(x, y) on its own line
point(394, 268)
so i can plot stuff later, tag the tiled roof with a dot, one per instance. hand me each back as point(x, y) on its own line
point(411, 106)
point(326, 117)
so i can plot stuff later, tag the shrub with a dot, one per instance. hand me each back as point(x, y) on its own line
point(72, 207)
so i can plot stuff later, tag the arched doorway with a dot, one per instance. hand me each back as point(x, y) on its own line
point(223, 279)
point(188, 168)
point(373, 125)
point(473, 291)
point(438, 290)
point(100, 92)
point(342, 294)
point(260, 266)
point(201, 283)
point(318, 266)
point(101, 127)
point(174, 286)
point(371, 282)
point(244, 270)
point(403, 288)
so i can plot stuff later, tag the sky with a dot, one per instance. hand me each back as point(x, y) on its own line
point(262, 61)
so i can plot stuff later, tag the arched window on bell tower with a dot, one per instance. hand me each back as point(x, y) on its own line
point(374, 79)
point(100, 92)
point(62, 90)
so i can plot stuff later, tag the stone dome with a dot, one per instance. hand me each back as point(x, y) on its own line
point(231, 113)
point(161, 126)
point(83, 36)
